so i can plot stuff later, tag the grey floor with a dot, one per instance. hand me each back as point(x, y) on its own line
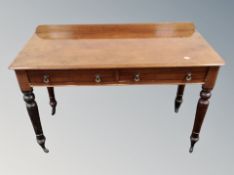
point(116, 130)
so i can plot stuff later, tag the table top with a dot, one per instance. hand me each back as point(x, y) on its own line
point(107, 46)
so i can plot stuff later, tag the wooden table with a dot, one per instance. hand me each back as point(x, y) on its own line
point(114, 54)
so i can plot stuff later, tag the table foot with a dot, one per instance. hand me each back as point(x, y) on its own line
point(177, 105)
point(53, 102)
point(179, 97)
point(193, 139)
point(53, 106)
point(41, 141)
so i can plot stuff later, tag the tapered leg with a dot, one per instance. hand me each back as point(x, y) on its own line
point(53, 102)
point(179, 97)
point(33, 112)
point(202, 106)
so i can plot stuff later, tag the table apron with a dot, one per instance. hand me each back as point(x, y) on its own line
point(117, 76)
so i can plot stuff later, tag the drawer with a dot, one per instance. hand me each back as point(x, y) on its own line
point(71, 77)
point(163, 75)
point(120, 76)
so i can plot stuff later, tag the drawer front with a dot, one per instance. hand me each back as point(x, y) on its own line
point(70, 77)
point(162, 75)
point(120, 76)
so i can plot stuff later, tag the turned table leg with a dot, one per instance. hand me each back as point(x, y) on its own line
point(179, 97)
point(53, 102)
point(202, 105)
point(32, 109)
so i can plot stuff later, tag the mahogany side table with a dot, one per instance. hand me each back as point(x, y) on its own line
point(114, 54)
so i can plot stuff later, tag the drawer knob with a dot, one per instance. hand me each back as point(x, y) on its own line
point(188, 77)
point(98, 79)
point(137, 77)
point(46, 79)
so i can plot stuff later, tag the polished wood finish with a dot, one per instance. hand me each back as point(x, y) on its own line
point(102, 50)
point(116, 54)
point(23, 81)
point(163, 75)
point(179, 97)
point(202, 107)
point(33, 112)
point(71, 77)
point(107, 31)
point(117, 76)
point(203, 104)
point(53, 102)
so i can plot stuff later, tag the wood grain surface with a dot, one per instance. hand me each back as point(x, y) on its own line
point(116, 46)
point(117, 76)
